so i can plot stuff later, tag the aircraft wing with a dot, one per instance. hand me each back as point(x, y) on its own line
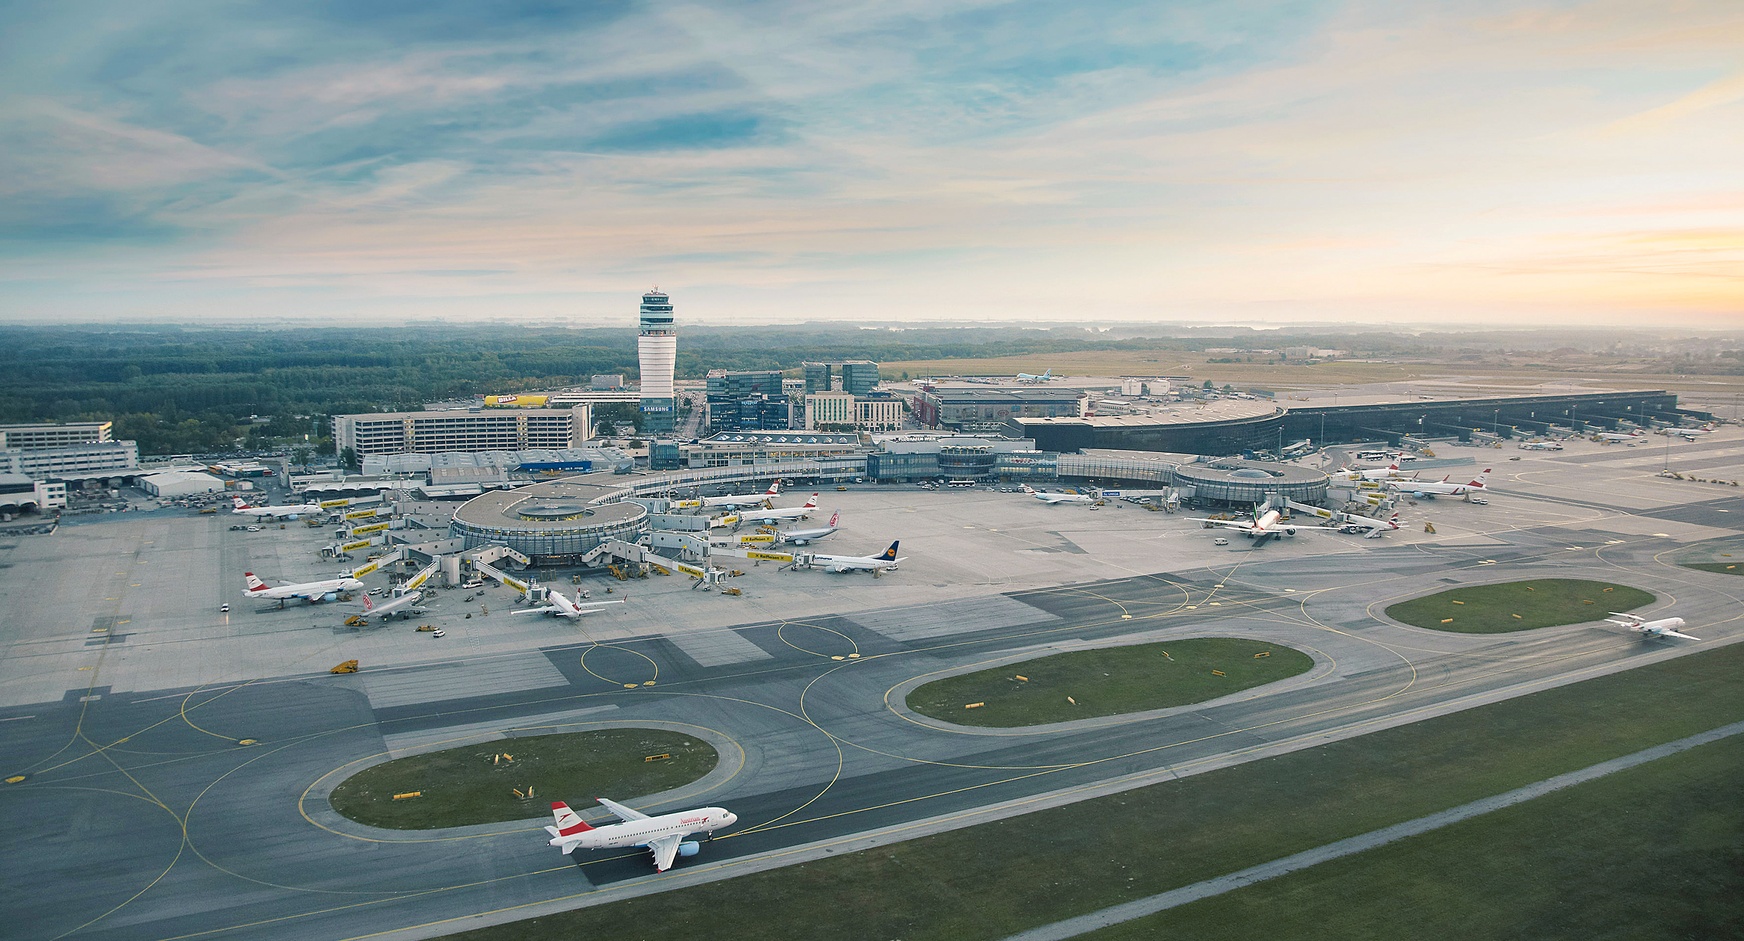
point(627, 815)
point(1225, 524)
point(544, 610)
point(1671, 633)
point(665, 850)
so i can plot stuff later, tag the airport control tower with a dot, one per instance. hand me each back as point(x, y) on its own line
point(657, 349)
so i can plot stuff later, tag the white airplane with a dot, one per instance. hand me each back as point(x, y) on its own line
point(290, 511)
point(744, 499)
point(561, 607)
point(1617, 436)
point(1262, 527)
point(663, 835)
point(882, 562)
point(1664, 627)
point(800, 537)
point(1540, 446)
point(312, 592)
point(1031, 377)
point(1431, 488)
point(779, 515)
point(1390, 472)
point(1055, 498)
point(1370, 527)
point(404, 605)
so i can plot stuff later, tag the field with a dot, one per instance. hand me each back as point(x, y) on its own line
point(1108, 681)
point(1656, 851)
point(1723, 568)
point(1518, 606)
point(1043, 867)
point(473, 784)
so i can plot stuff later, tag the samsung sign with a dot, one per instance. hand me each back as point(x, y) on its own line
point(656, 408)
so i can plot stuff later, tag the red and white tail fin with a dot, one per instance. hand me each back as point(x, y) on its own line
point(774, 489)
point(240, 503)
point(367, 607)
point(835, 516)
point(1478, 483)
point(812, 503)
point(1394, 521)
point(254, 582)
point(568, 822)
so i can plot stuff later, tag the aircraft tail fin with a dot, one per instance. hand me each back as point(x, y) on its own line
point(812, 503)
point(1480, 481)
point(367, 606)
point(774, 488)
point(569, 823)
point(253, 581)
point(889, 555)
point(834, 517)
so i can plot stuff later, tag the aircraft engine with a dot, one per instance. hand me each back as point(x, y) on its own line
point(1289, 530)
point(689, 848)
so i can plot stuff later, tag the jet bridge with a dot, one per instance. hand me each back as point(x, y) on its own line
point(377, 563)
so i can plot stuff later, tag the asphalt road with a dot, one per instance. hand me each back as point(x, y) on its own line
point(141, 815)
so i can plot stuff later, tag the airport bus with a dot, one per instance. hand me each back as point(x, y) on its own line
point(960, 483)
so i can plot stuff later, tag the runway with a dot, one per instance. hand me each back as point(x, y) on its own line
point(141, 814)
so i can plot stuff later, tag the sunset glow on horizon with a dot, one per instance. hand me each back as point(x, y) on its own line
point(1486, 163)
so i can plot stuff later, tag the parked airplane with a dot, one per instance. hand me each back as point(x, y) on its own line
point(800, 537)
point(744, 499)
point(876, 564)
point(1616, 436)
point(664, 835)
point(1540, 446)
point(1390, 472)
point(781, 515)
point(404, 605)
point(561, 607)
point(1370, 527)
point(1262, 527)
point(1055, 498)
point(290, 512)
point(1432, 488)
point(312, 592)
point(1031, 377)
point(1664, 627)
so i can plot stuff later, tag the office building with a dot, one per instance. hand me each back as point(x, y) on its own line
point(855, 377)
point(463, 430)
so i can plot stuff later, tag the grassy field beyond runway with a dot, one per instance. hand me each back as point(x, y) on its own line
point(477, 784)
point(1107, 681)
point(993, 880)
point(1518, 606)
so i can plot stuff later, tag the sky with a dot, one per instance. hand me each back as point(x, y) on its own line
point(1485, 162)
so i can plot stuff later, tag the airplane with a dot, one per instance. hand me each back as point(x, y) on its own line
point(800, 537)
point(1031, 377)
point(1664, 627)
point(1264, 526)
point(1617, 436)
point(663, 835)
point(403, 606)
point(1430, 488)
point(1540, 446)
point(289, 512)
point(744, 499)
point(312, 592)
point(1052, 499)
point(876, 564)
point(1370, 527)
point(561, 607)
point(1390, 472)
point(779, 515)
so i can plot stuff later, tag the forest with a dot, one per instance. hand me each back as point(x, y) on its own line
point(189, 389)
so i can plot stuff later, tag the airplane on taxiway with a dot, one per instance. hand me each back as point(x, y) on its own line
point(664, 835)
point(780, 515)
point(1442, 487)
point(1664, 627)
point(1052, 499)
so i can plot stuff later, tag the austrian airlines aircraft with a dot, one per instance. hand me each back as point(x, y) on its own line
point(273, 512)
point(744, 499)
point(1261, 528)
point(800, 537)
point(664, 835)
point(311, 592)
point(562, 607)
point(779, 515)
point(1664, 627)
point(1433, 487)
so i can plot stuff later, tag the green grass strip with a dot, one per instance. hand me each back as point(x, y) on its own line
point(1722, 568)
point(1652, 852)
point(1518, 606)
point(1107, 681)
point(472, 784)
point(993, 880)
